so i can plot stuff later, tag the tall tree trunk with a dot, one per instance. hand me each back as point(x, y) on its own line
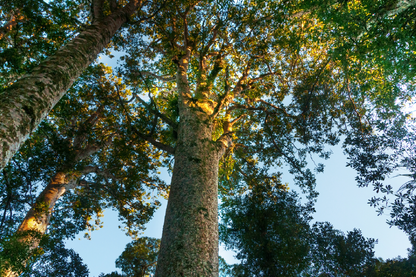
point(28, 101)
point(37, 219)
point(189, 245)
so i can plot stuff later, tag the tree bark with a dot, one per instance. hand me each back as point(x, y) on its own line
point(189, 245)
point(28, 101)
point(38, 217)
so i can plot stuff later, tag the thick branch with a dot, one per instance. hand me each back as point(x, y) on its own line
point(262, 76)
point(86, 152)
point(238, 88)
point(154, 142)
point(28, 101)
point(225, 140)
point(215, 70)
point(84, 129)
point(97, 9)
point(164, 78)
point(113, 5)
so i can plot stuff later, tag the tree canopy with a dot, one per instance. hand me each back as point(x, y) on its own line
point(225, 95)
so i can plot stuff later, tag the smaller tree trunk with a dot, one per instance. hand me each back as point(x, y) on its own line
point(38, 217)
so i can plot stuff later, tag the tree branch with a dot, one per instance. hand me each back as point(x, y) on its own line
point(113, 5)
point(88, 123)
point(154, 142)
point(238, 88)
point(149, 139)
point(97, 10)
point(163, 78)
point(15, 18)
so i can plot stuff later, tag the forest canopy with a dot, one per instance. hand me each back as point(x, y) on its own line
point(224, 95)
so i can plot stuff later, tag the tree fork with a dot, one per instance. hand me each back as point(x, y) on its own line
point(189, 245)
point(28, 101)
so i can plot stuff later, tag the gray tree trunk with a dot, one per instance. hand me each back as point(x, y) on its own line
point(189, 245)
point(29, 100)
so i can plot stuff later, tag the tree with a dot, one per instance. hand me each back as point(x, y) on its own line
point(57, 261)
point(140, 257)
point(235, 89)
point(334, 253)
point(268, 229)
point(381, 32)
point(240, 83)
point(393, 267)
point(29, 100)
point(86, 152)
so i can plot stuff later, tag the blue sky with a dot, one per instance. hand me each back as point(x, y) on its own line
point(340, 202)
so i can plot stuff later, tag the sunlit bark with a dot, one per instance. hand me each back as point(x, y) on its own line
point(189, 245)
point(36, 222)
point(38, 217)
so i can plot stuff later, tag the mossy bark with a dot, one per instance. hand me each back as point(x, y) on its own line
point(189, 245)
point(38, 217)
point(28, 101)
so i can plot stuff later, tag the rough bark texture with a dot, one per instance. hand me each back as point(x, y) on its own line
point(37, 219)
point(38, 216)
point(28, 101)
point(189, 245)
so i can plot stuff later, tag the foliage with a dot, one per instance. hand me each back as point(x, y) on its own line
point(112, 274)
point(122, 176)
point(139, 257)
point(393, 267)
point(387, 153)
point(57, 261)
point(268, 229)
point(335, 253)
point(280, 80)
point(40, 29)
point(375, 42)
point(14, 253)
